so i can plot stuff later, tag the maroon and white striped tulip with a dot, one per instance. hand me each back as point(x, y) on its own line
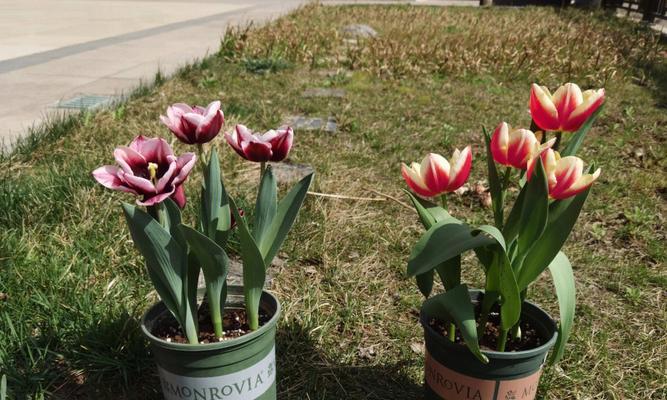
point(194, 125)
point(566, 110)
point(435, 175)
point(148, 168)
point(564, 175)
point(273, 145)
point(513, 148)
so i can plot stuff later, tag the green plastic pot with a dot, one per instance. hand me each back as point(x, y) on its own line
point(243, 368)
point(452, 372)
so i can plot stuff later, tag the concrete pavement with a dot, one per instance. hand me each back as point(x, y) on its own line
point(54, 51)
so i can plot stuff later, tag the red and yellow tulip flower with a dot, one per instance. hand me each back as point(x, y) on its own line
point(435, 175)
point(513, 148)
point(565, 175)
point(566, 110)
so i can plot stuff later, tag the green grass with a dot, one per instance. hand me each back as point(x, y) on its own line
point(75, 287)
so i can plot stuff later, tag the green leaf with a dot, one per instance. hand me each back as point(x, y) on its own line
point(563, 278)
point(3, 387)
point(577, 138)
point(425, 283)
point(495, 186)
point(511, 227)
point(165, 258)
point(455, 305)
point(174, 216)
point(500, 279)
point(215, 265)
point(266, 204)
point(216, 217)
point(254, 268)
point(552, 240)
point(450, 272)
point(429, 213)
point(442, 242)
point(286, 214)
point(535, 209)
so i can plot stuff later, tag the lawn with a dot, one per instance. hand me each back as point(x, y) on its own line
point(73, 288)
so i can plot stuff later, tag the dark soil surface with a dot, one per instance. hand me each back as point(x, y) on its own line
point(234, 325)
point(528, 340)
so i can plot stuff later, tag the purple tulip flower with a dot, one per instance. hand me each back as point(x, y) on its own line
point(148, 168)
point(273, 145)
point(194, 125)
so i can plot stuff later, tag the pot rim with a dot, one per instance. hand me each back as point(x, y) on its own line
point(213, 346)
point(493, 354)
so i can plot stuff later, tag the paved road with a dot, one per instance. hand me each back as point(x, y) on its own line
point(53, 51)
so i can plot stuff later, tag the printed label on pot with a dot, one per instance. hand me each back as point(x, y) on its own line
point(451, 385)
point(246, 384)
point(519, 389)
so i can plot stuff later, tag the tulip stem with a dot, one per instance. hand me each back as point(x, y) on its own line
point(502, 340)
point(558, 138)
point(262, 169)
point(443, 201)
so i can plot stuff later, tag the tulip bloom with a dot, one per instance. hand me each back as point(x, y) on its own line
point(194, 125)
point(564, 175)
point(271, 146)
point(566, 110)
point(148, 168)
point(435, 175)
point(513, 148)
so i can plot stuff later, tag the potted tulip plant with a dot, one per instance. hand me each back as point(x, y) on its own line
point(216, 342)
point(492, 343)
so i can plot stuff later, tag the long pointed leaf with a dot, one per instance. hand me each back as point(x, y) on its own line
point(563, 278)
point(164, 257)
point(442, 242)
point(266, 204)
point(535, 209)
point(216, 217)
point(449, 272)
point(254, 268)
point(288, 209)
point(511, 227)
point(577, 139)
point(548, 246)
point(455, 304)
point(215, 265)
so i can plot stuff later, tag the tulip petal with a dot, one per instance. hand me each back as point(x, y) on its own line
point(461, 165)
point(153, 200)
point(166, 178)
point(592, 100)
point(232, 139)
point(130, 160)
point(281, 143)
point(583, 183)
point(568, 170)
point(256, 151)
point(435, 173)
point(542, 109)
point(179, 196)
point(184, 164)
point(107, 176)
point(500, 143)
point(566, 99)
point(413, 179)
point(141, 185)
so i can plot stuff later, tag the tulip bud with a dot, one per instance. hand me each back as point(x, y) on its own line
point(435, 175)
point(194, 125)
point(565, 175)
point(273, 145)
point(513, 148)
point(566, 110)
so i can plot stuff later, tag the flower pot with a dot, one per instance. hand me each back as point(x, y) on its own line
point(454, 373)
point(242, 368)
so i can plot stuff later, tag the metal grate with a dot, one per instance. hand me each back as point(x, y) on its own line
point(86, 102)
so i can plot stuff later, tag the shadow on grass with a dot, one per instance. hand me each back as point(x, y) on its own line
point(305, 372)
